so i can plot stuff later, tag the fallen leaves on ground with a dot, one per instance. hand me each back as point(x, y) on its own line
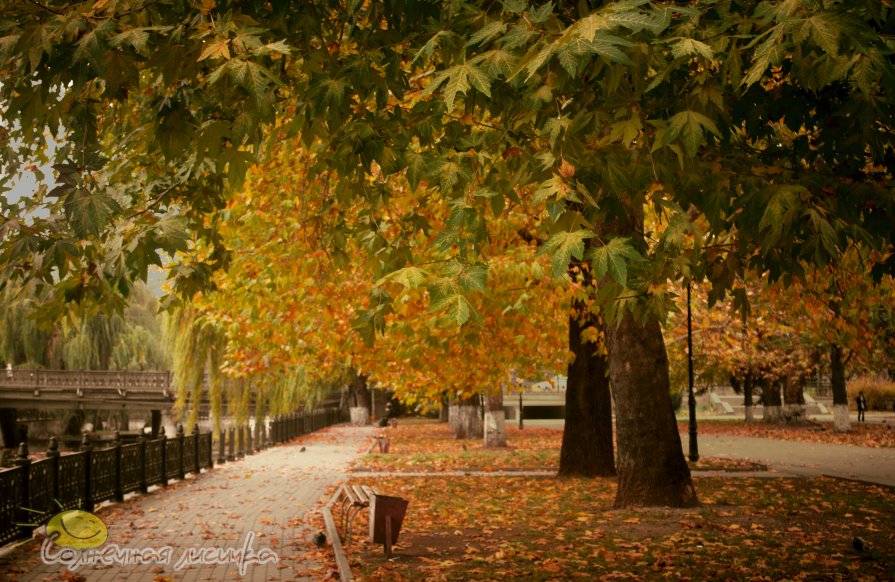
point(466, 528)
point(875, 435)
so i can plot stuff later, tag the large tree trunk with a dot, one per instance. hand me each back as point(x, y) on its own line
point(587, 448)
point(841, 422)
point(495, 421)
point(651, 465)
point(469, 418)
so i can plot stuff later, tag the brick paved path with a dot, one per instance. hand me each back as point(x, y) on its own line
point(270, 494)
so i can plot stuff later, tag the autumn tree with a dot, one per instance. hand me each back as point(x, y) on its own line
point(771, 121)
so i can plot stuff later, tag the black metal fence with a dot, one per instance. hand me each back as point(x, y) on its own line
point(33, 491)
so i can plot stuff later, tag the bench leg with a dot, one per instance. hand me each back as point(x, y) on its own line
point(388, 536)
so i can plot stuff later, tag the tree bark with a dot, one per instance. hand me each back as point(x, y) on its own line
point(469, 418)
point(793, 400)
point(651, 466)
point(444, 410)
point(772, 404)
point(587, 449)
point(360, 400)
point(495, 422)
point(841, 421)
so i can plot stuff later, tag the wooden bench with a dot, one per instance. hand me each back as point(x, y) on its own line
point(354, 499)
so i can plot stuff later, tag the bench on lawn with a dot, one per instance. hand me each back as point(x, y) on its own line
point(354, 499)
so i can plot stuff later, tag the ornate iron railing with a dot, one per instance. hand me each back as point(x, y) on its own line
point(33, 491)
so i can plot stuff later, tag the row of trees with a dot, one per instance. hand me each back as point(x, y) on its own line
point(837, 319)
point(665, 142)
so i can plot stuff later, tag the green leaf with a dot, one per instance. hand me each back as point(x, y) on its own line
point(416, 168)
point(411, 277)
point(689, 125)
point(688, 46)
point(455, 308)
point(562, 246)
point(613, 258)
point(474, 277)
point(824, 32)
point(487, 32)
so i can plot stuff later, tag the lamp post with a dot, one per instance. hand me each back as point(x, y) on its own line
point(694, 446)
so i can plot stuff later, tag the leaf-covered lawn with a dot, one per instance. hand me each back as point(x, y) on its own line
point(876, 435)
point(427, 445)
point(544, 528)
point(468, 528)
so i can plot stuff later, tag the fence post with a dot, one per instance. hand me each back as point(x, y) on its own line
point(164, 450)
point(181, 474)
point(250, 439)
point(24, 462)
point(141, 440)
point(196, 438)
point(53, 453)
point(231, 455)
point(222, 442)
point(266, 434)
point(119, 487)
point(87, 448)
point(241, 452)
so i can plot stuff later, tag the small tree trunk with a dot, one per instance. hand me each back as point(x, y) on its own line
point(841, 421)
point(748, 401)
point(772, 409)
point(454, 415)
point(495, 421)
point(587, 448)
point(360, 400)
point(444, 410)
point(469, 418)
point(651, 466)
point(794, 400)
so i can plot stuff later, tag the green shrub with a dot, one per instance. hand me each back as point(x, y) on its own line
point(880, 392)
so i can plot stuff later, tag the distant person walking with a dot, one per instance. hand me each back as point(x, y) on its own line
point(862, 405)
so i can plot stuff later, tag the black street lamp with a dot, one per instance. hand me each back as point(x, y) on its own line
point(694, 446)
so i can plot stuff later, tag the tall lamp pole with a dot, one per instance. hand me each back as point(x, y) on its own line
point(694, 446)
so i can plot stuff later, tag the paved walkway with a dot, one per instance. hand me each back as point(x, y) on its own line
point(271, 495)
point(806, 459)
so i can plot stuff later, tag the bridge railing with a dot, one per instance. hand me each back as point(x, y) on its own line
point(159, 381)
point(35, 490)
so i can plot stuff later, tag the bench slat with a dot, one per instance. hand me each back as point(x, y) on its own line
point(361, 494)
point(351, 495)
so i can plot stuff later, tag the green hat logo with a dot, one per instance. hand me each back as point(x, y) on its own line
point(77, 529)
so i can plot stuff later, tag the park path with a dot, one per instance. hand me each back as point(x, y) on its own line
point(271, 495)
point(804, 459)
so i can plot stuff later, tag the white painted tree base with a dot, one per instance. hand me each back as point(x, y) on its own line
point(495, 428)
point(841, 421)
point(360, 415)
point(772, 413)
point(469, 422)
